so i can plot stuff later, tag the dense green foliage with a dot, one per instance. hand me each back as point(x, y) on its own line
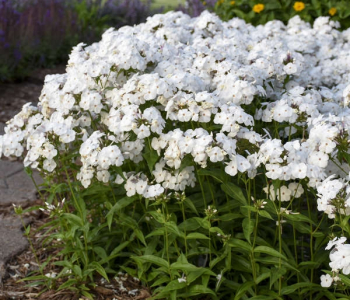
point(260, 12)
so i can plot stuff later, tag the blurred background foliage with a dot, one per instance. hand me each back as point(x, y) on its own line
point(41, 33)
point(261, 11)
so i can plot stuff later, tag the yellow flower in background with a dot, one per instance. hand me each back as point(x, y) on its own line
point(332, 11)
point(220, 2)
point(204, 3)
point(258, 8)
point(232, 2)
point(299, 6)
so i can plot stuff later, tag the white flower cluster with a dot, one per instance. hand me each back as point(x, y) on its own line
point(334, 197)
point(340, 261)
point(196, 88)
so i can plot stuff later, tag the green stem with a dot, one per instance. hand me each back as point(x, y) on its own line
point(36, 187)
point(280, 241)
point(280, 251)
point(31, 244)
point(202, 189)
point(311, 238)
point(79, 210)
point(183, 219)
point(209, 242)
point(252, 252)
point(211, 191)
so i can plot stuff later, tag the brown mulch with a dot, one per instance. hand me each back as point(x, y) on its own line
point(121, 287)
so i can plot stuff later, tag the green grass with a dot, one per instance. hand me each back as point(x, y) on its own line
point(168, 4)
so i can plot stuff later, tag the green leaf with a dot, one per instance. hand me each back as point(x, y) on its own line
point(99, 269)
point(67, 285)
point(159, 231)
point(73, 219)
point(308, 264)
point(196, 235)
point(153, 259)
point(273, 5)
point(185, 162)
point(172, 285)
point(240, 14)
point(151, 157)
point(86, 294)
point(160, 281)
point(159, 217)
point(77, 271)
point(116, 250)
point(248, 228)
point(215, 261)
point(188, 202)
point(269, 251)
point(298, 218)
point(199, 290)
point(275, 261)
point(81, 206)
point(189, 225)
point(101, 253)
point(230, 217)
point(276, 273)
point(121, 203)
point(32, 208)
point(262, 277)
point(217, 174)
point(193, 275)
point(236, 243)
point(194, 224)
point(249, 208)
point(261, 297)
point(301, 227)
point(216, 230)
point(140, 236)
point(265, 214)
point(344, 279)
point(172, 227)
point(64, 263)
point(182, 259)
point(315, 3)
point(292, 288)
point(204, 223)
point(28, 171)
point(234, 192)
point(243, 289)
point(184, 267)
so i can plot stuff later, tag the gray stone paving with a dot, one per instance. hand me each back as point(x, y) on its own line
point(16, 187)
point(2, 126)
point(12, 241)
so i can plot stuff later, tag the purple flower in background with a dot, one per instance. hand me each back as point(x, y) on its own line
point(127, 12)
point(195, 7)
point(36, 33)
point(17, 54)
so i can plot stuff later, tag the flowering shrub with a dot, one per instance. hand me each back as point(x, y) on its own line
point(201, 156)
point(260, 12)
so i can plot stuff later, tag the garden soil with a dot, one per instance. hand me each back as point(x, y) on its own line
point(15, 94)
